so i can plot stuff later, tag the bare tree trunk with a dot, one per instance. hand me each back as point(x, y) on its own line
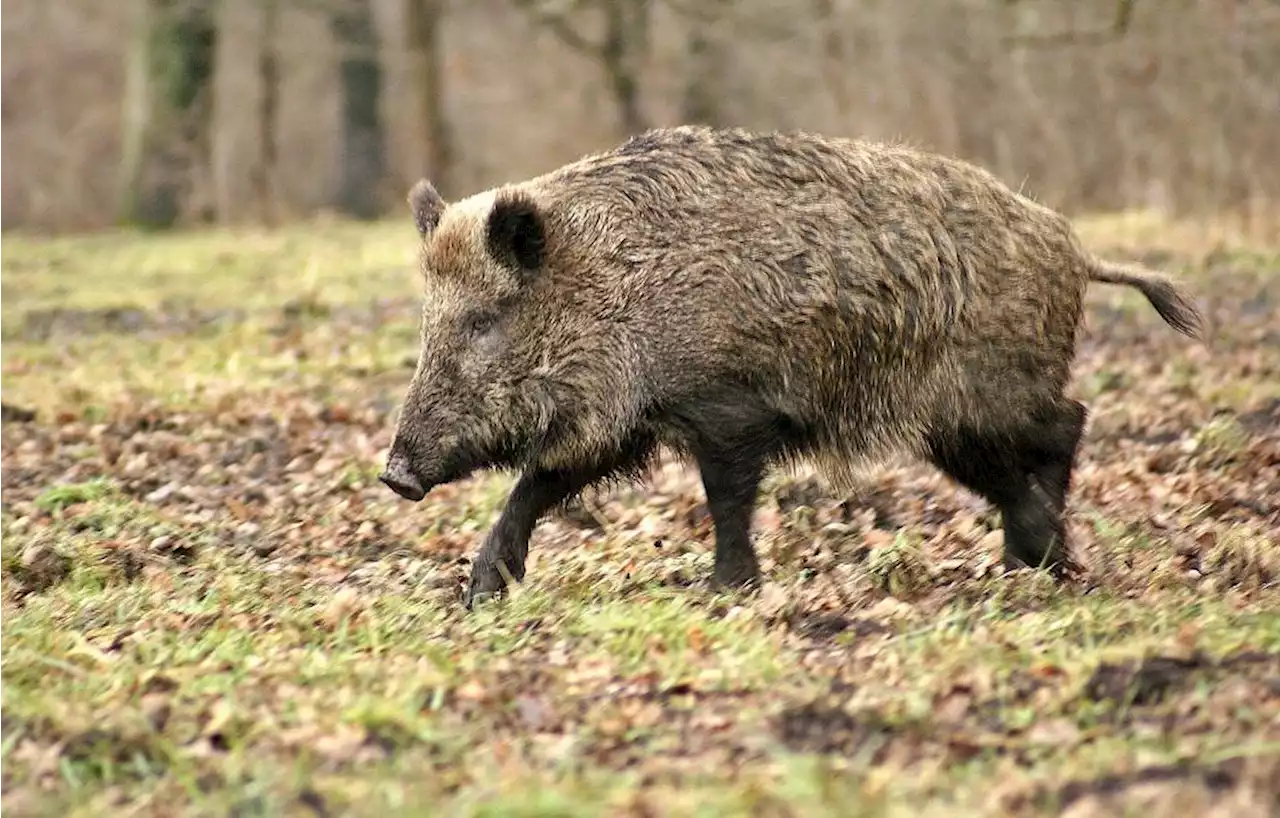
point(264, 176)
point(621, 54)
point(168, 108)
point(704, 69)
point(834, 59)
point(625, 46)
point(362, 156)
point(425, 21)
point(698, 106)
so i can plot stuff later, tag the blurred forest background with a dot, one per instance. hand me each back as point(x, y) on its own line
point(165, 112)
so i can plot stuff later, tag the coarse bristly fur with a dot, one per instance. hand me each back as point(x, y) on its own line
point(750, 300)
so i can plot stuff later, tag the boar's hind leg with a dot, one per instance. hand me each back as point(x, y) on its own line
point(1053, 457)
point(536, 493)
point(1026, 476)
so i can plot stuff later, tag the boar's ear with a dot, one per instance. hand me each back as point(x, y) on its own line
point(427, 207)
point(516, 234)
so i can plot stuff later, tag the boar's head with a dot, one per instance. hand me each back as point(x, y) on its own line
point(495, 378)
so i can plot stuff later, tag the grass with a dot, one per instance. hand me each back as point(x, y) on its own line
point(211, 607)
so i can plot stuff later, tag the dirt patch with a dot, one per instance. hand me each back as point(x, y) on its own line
point(301, 312)
point(798, 493)
point(16, 414)
point(824, 626)
point(1140, 683)
point(315, 802)
point(886, 509)
point(70, 322)
point(1216, 778)
point(1154, 679)
point(121, 744)
point(821, 728)
point(1239, 787)
point(1263, 421)
point(41, 325)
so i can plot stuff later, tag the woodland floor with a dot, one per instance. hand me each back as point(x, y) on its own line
point(211, 607)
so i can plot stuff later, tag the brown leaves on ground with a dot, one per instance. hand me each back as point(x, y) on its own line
point(216, 590)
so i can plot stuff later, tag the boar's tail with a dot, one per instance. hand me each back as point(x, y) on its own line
point(1174, 306)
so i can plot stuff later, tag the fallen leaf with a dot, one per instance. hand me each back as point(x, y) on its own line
point(472, 691)
point(1057, 732)
point(1046, 670)
point(345, 604)
point(697, 640)
point(772, 600)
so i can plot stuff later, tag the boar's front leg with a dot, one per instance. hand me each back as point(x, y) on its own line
point(733, 440)
point(535, 493)
point(731, 485)
point(508, 540)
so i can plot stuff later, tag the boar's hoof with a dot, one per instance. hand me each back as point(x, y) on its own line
point(486, 582)
point(470, 598)
point(1060, 569)
point(738, 576)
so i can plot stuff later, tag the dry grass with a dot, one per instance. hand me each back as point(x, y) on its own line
point(211, 607)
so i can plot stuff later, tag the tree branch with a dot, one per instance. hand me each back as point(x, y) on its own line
point(558, 23)
point(1120, 25)
point(696, 11)
point(716, 12)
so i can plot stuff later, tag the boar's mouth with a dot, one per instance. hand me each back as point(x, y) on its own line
point(413, 481)
point(410, 489)
point(413, 472)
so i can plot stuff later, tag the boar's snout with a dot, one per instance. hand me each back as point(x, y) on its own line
point(399, 477)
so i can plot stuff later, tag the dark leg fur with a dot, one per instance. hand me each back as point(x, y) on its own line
point(731, 482)
point(733, 441)
point(536, 493)
point(1050, 462)
point(1053, 460)
point(1026, 476)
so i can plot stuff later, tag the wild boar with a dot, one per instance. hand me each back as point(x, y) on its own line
point(747, 301)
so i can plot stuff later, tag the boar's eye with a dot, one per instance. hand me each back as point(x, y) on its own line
point(479, 323)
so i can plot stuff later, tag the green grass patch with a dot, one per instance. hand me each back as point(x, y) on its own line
point(212, 607)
